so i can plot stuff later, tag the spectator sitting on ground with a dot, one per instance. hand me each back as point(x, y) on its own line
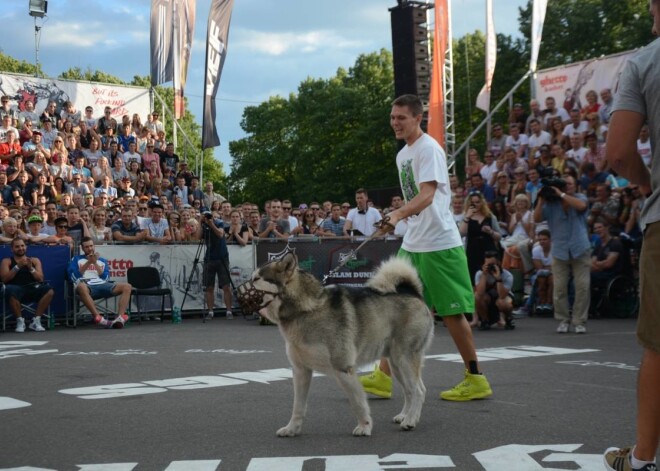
point(24, 281)
point(492, 291)
point(90, 276)
point(542, 277)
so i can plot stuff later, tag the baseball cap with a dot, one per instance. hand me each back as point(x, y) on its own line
point(302, 206)
point(34, 218)
point(37, 132)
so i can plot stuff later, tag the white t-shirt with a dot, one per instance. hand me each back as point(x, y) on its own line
point(570, 129)
point(515, 144)
point(434, 228)
point(537, 254)
point(578, 155)
point(644, 149)
point(364, 222)
point(559, 113)
point(487, 171)
point(537, 141)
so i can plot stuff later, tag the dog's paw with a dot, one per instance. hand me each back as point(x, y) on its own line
point(288, 431)
point(362, 430)
point(406, 427)
point(398, 418)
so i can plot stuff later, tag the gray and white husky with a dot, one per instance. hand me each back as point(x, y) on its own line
point(335, 329)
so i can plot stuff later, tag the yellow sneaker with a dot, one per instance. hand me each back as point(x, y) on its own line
point(377, 383)
point(472, 387)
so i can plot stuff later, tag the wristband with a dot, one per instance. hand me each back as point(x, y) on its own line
point(33, 270)
point(16, 268)
point(466, 220)
point(562, 196)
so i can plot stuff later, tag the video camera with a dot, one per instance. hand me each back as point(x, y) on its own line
point(548, 180)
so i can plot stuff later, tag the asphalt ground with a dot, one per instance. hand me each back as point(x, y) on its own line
point(210, 396)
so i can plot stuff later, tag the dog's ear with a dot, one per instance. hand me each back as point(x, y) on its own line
point(289, 264)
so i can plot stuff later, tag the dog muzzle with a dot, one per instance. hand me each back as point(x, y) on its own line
point(251, 298)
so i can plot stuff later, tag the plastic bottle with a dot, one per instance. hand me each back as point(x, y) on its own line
point(176, 315)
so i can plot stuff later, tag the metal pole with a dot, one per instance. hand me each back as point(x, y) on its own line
point(492, 111)
point(37, 30)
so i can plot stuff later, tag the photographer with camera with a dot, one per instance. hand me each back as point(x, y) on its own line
point(216, 261)
point(565, 211)
point(492, 293)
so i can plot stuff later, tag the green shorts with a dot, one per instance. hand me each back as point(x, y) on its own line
point(446, 279)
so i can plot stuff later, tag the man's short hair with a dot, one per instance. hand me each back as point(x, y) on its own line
point(491, 254)
point(412, 102)
point(86, 239)
point(361, 191)
point(544, 232)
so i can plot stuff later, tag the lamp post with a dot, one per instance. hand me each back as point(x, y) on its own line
point(37, 9)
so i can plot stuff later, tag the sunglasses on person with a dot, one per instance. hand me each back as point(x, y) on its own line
point(62, 226)
point(314, 209)
point(286, 208)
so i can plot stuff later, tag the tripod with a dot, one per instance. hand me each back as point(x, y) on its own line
point(200, 245)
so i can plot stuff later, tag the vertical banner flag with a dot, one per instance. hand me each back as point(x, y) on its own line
point(436, 124)
point(162, 66)
point(184, 32)
point(483, 99)
point(216, 52)
point(538, 17)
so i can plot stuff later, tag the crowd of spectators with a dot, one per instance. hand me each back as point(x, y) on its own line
point(555, 146)
point(66, 174)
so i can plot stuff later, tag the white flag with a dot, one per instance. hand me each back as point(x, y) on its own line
point(483, 99)
point(538, 17)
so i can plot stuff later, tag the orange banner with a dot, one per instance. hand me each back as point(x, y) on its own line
point(436, 125)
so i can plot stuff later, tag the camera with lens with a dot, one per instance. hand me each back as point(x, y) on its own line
point(208, 214)
point(491, 267)
point(548, 181)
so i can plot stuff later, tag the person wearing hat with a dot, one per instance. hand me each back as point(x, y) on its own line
point(35, 145)
point(34, 234)
point(24, 281)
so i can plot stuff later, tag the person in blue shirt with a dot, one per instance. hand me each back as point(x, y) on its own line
point(566, 214)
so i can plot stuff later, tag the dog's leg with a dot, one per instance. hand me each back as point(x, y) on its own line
point(358, 400)
point(394, 366)
point(302, 378)
point(410, 375)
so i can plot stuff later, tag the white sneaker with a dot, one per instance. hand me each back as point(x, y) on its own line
point(209, 315)
point(580, 329)
point(36, 324)
point(20, 325)
point(562, 328)
point(229, 315)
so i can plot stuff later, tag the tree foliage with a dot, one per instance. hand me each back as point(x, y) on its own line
point(576, 30)
point(9, 64)
point(323, 142)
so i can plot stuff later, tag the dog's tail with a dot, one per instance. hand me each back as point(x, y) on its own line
point(397, 275)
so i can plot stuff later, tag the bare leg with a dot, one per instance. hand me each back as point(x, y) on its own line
point(83, 293)
point(226, 290)
point(210, 298)
point(123, 289)
point(648, 407)
point(460, 332)
point(43, 303)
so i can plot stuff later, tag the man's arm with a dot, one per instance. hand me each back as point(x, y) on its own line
point(416, 205)
point(621, 150)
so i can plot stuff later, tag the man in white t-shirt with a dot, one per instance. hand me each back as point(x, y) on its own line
point(551, 111)
point(433, 245)
point(362, 218)
point(538, 138)
point(577, 150)
point(577, 125)
point(489, 170)
point(644, 145)
point(517, 141)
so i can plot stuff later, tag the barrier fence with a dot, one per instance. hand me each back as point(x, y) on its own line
point(175, 264)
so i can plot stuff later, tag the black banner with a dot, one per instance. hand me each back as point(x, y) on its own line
point(216, 52)
point(162, 52)
point(319, 256)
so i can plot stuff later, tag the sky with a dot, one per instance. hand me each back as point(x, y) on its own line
point(273, 44)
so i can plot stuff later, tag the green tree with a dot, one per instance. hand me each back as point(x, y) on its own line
point(330, 138)
point(586, 29)
point(9, 64)
point(76, 73)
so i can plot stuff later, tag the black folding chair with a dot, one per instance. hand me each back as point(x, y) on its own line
point(146, 282)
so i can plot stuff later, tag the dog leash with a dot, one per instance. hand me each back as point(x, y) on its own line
point(384, 226)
